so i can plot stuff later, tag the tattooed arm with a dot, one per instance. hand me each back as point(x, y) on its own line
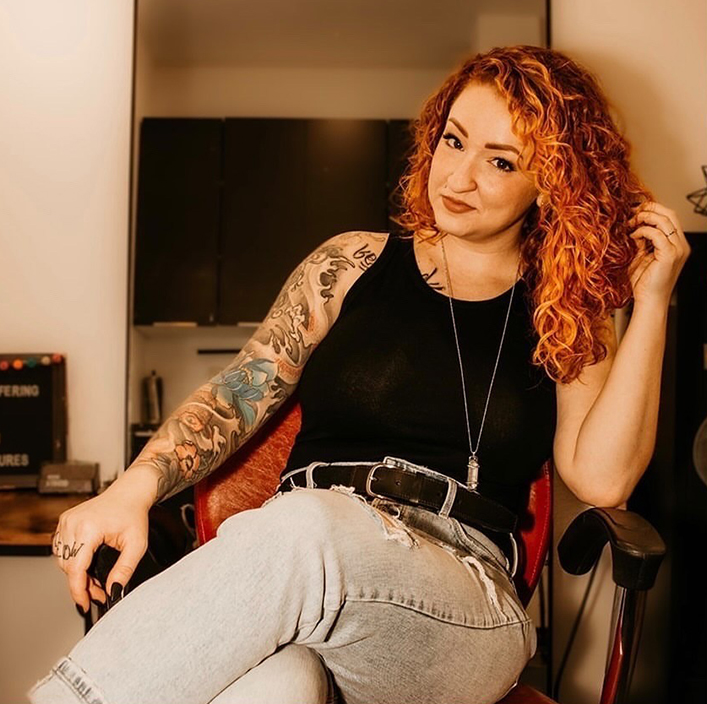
point(221, 415)
point(216, 419)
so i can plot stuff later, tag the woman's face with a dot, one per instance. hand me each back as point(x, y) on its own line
point(476, 162)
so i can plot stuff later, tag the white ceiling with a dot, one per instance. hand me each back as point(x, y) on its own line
point(404, 34)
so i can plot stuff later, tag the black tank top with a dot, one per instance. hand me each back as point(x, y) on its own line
point(385, 381)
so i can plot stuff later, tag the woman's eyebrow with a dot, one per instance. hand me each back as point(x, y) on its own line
point(488, 145)
point(501, 147)
point(461, 129)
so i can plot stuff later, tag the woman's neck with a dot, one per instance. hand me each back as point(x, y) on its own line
point(475, 274)
point(479, 258)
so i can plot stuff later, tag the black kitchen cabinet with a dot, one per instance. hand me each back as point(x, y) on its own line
point(274, 189)
point(264, 233)
point(289, 185)
point(177, 238)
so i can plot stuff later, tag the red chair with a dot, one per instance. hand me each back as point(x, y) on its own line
point(251, 475)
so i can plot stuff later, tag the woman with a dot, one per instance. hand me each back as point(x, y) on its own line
point(458, 358)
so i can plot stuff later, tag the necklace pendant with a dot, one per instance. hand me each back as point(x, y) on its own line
point(472, 473)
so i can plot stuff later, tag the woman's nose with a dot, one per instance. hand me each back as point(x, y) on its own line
point(463, 177)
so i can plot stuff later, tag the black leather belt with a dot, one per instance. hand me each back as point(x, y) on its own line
point(398, 480)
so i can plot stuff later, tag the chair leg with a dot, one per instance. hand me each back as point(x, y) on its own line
point(629, 607)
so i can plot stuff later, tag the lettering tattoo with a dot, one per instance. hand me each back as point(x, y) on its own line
point(223, 413)
point(365, 256)
point(428, 277)
point(64, 550)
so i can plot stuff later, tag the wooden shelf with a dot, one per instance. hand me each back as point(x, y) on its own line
point(28, 520)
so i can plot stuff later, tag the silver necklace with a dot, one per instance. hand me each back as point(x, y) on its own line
point(473, 464)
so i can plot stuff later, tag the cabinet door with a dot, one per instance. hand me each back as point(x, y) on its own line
point(346, 176)
point(176, 249)
point(264, 234)
point(288, 186)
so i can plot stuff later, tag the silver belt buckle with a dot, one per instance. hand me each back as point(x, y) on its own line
point(392, 462)
point(369, 479)
point(400, 463)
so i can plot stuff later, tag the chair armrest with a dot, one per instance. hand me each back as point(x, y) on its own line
point(637, 549)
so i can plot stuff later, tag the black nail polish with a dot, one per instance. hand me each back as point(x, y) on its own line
point(116, 593)
point(80, 610)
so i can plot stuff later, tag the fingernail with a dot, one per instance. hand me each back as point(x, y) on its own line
point(116, 593)
point(80, 610)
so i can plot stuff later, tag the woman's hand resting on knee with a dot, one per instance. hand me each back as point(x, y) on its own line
point(118, 517)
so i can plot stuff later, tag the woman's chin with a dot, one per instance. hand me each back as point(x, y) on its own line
point(452, 223)
point(452, 228)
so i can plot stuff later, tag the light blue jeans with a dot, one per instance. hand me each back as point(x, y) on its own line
point(392, 603)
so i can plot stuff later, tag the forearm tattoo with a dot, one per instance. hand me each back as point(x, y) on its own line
point(223, 413)
point(64, 550)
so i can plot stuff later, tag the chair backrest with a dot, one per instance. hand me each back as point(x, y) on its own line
point(251, 475)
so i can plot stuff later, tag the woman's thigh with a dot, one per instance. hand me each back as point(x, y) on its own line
point(422, 619)
point(402, 656)
point(293, 674)
point(324, 569)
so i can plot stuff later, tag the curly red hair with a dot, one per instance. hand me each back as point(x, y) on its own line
point(575, 248)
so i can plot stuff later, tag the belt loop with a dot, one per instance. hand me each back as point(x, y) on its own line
point(308, 474)
point(515, 555)
point(289, 476)
point(449, 499)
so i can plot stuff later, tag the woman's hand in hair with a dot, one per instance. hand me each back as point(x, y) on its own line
point(659, 260)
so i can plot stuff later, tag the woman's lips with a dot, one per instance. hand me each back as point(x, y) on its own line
point(454, 206)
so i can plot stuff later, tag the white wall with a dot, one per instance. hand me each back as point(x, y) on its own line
point(214, 91)
point(65, 97)
point(651, 58)
point(64, 169)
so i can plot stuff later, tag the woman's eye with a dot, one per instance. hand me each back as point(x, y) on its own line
point(449, 135)
point(503, 165)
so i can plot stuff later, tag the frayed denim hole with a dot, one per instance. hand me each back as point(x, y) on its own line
point(486, 581)
point(392, 527)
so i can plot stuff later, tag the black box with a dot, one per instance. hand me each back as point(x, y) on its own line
point(32, 416)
